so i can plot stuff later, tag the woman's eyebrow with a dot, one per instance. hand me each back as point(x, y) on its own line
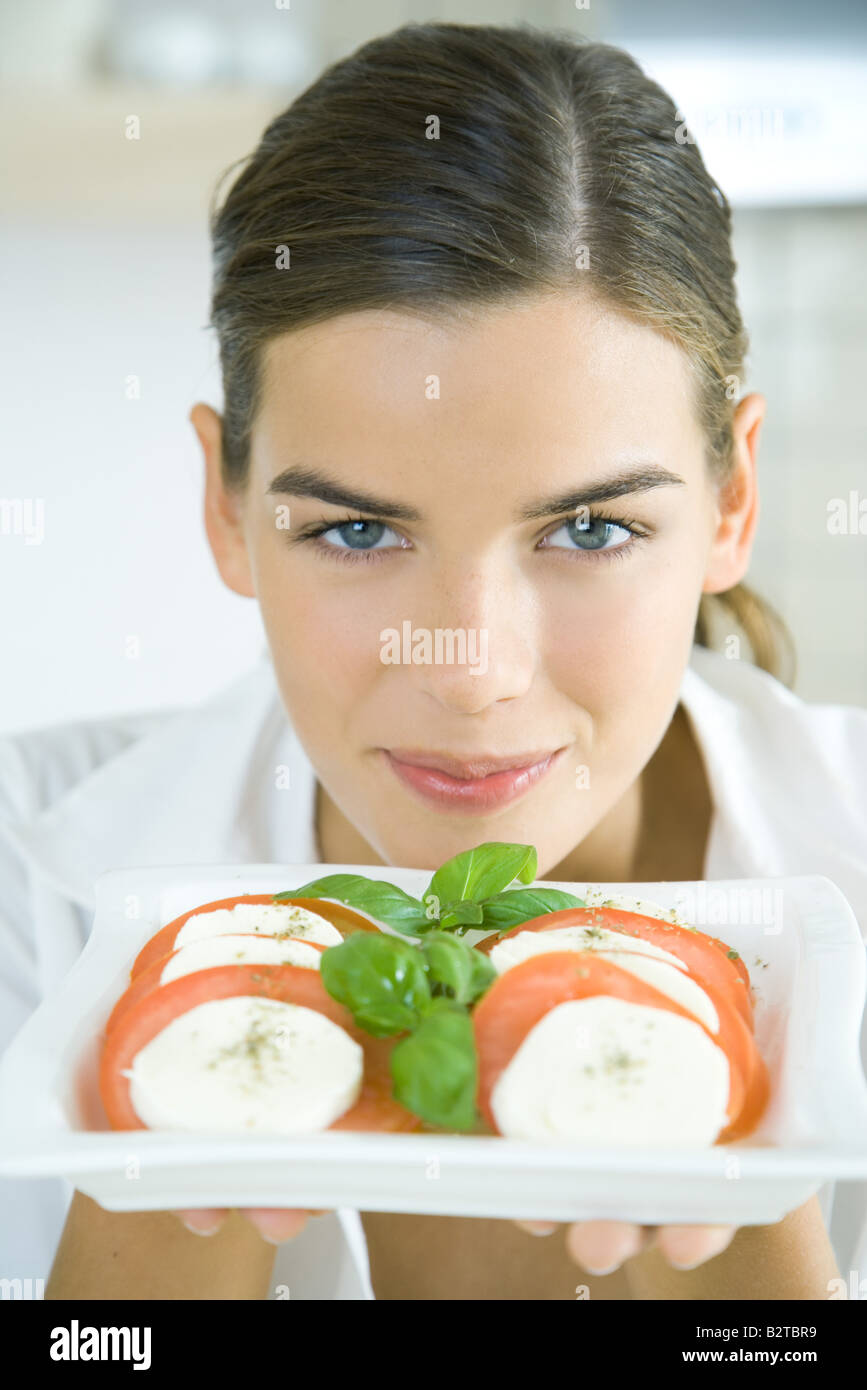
point(640, 478)
point(303, 481)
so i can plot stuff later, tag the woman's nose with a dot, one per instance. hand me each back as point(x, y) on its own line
point(472, 642)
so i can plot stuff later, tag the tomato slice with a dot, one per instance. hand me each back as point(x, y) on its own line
point(338, 914)
point(523, 994)
point(758, 1090)
point(150, 978)
point(701, 954)
point(375, 1108)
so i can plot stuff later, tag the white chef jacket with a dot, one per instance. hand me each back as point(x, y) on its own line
point(199, 785)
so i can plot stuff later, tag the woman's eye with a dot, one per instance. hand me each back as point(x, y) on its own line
point(591, 534)
point(365, 533)
point(356, 539)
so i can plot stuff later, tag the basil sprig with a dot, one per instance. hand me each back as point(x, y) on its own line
point(380, 979)
point(381, 900)
point(476, 875)
point(388, 984)
point(509, 909)
point(392, 986)
point(454, 969)
point(426, 987)
point(435, 1070)
point(470, 891)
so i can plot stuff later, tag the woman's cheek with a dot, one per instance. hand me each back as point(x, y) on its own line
point(617, 648)
point(325, 645)
point(323, 649)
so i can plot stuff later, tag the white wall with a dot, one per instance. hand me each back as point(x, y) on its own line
point(124, 555)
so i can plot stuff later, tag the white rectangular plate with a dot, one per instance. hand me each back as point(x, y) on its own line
point(809, 992)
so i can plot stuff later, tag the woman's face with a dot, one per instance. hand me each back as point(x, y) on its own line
point(495, 452)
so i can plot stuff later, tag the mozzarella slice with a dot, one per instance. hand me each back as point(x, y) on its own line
point(575, 938)
point(595, 897)
point(677, 984)
point(239, 950)
point(247, 1064)
point(603, 1071)
point(270, 919)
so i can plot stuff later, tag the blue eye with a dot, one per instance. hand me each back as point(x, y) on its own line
point(367, 539)
point(591, 535)
point(351, 530)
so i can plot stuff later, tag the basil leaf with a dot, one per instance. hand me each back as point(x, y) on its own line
point(384, 901)
point(380, 978)
point(462, 914)
point(453, 916)
point(434, 1070)
point(479, 873)
point(455, 969)
point(518, 905)
point(484, 975)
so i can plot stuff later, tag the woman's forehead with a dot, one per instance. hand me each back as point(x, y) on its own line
point(558, 376)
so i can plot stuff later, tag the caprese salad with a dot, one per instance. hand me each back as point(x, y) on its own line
point(348, 1004)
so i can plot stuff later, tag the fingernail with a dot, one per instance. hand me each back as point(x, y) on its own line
point(713, 1245)
point(277, 1233)
point(608, 1269)
point(202, 1230)
point(540, 1228)
point(621, 1248)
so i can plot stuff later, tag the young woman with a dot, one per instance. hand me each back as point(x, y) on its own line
point(482, 363)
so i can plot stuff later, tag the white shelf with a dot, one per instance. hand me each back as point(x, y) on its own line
point(775, 126)
point(67, 155)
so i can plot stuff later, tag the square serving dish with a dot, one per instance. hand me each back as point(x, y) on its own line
point(807, 963)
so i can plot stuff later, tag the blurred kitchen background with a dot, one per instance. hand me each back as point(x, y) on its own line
point(105, 265)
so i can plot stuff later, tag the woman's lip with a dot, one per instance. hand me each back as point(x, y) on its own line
point(471, 794)
point(470, 769)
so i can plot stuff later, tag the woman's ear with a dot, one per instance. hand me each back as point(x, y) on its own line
point(224, 510)
point(737, 502)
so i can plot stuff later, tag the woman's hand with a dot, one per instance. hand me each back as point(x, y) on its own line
point(274, 1224)
point(600, 1247)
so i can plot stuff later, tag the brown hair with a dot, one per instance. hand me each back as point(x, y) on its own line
point(548, 144)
